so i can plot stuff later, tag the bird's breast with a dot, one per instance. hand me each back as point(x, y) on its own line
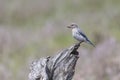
point(76, 35)
point(74, 32)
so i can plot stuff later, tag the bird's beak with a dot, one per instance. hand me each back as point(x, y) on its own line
point(69, 27)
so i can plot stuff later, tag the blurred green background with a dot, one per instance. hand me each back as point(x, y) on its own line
point(31, 29)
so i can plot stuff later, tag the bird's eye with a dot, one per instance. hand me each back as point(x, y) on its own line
point(72, 25)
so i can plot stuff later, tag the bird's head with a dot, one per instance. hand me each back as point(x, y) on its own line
point(72, 26)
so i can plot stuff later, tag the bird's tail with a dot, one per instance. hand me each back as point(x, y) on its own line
point(88, 41)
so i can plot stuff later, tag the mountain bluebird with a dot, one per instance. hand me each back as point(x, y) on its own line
point(78, 34)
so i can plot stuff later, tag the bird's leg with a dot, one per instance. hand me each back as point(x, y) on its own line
point(78, 44)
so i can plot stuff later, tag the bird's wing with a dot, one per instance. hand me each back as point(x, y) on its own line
point(81, 33)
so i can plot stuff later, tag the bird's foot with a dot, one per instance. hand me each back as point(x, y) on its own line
point(78, 44)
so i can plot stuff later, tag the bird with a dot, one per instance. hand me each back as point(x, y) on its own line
point(78, 34)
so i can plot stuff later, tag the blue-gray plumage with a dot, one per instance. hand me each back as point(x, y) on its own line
point(78, 34)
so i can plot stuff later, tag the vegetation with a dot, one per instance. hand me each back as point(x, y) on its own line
point(30, 29)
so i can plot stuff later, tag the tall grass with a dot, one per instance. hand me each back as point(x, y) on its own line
point(31, 29)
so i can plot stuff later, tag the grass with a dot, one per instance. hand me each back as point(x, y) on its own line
point(38, 28)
